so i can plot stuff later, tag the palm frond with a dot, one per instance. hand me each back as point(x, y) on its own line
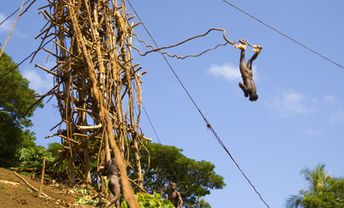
point(294, 201)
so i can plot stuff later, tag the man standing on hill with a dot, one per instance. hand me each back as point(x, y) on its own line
point(175, 197)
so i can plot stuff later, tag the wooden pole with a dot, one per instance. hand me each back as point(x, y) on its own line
point(42, 177)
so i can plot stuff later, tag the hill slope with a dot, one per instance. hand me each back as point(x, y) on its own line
point(15, 193)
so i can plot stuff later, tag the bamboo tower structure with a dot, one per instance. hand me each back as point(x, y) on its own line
point(97, 86)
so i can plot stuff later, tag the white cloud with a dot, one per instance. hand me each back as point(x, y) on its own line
point(227, 71)
point(330, 99)
point(313, 132)
point(7, 26)
point(337, 117)
point(40, 81)
point(290, 103)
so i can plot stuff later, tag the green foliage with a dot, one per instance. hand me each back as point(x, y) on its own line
point(86, 198)
point(15, 99)
point(194, 178)
point(15, 95)
point(324, 191)
point(56, 150)
point(31, 157)
point(57, 169)
point(203, 204)
point(28, 139)
point(150, 201)
point(10, 140)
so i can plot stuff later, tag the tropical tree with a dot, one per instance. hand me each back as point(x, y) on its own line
point(324, 191)
point(167, 164)
point(16, 107)
point(202, 204)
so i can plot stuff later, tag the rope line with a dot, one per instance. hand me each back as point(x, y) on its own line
point(7, 18)
point(25, 59)
point(199, 110)
point(151, 123)
point(157, 136)
point(284, 35)
point(13, 13)
point(12, 29)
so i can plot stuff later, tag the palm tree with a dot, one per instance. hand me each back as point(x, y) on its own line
point(294, 201)
point(317, 180)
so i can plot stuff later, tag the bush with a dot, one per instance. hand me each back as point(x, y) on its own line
point(150, 201)
point(31, 157)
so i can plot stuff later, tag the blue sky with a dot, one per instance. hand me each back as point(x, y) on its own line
point(297, 121)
